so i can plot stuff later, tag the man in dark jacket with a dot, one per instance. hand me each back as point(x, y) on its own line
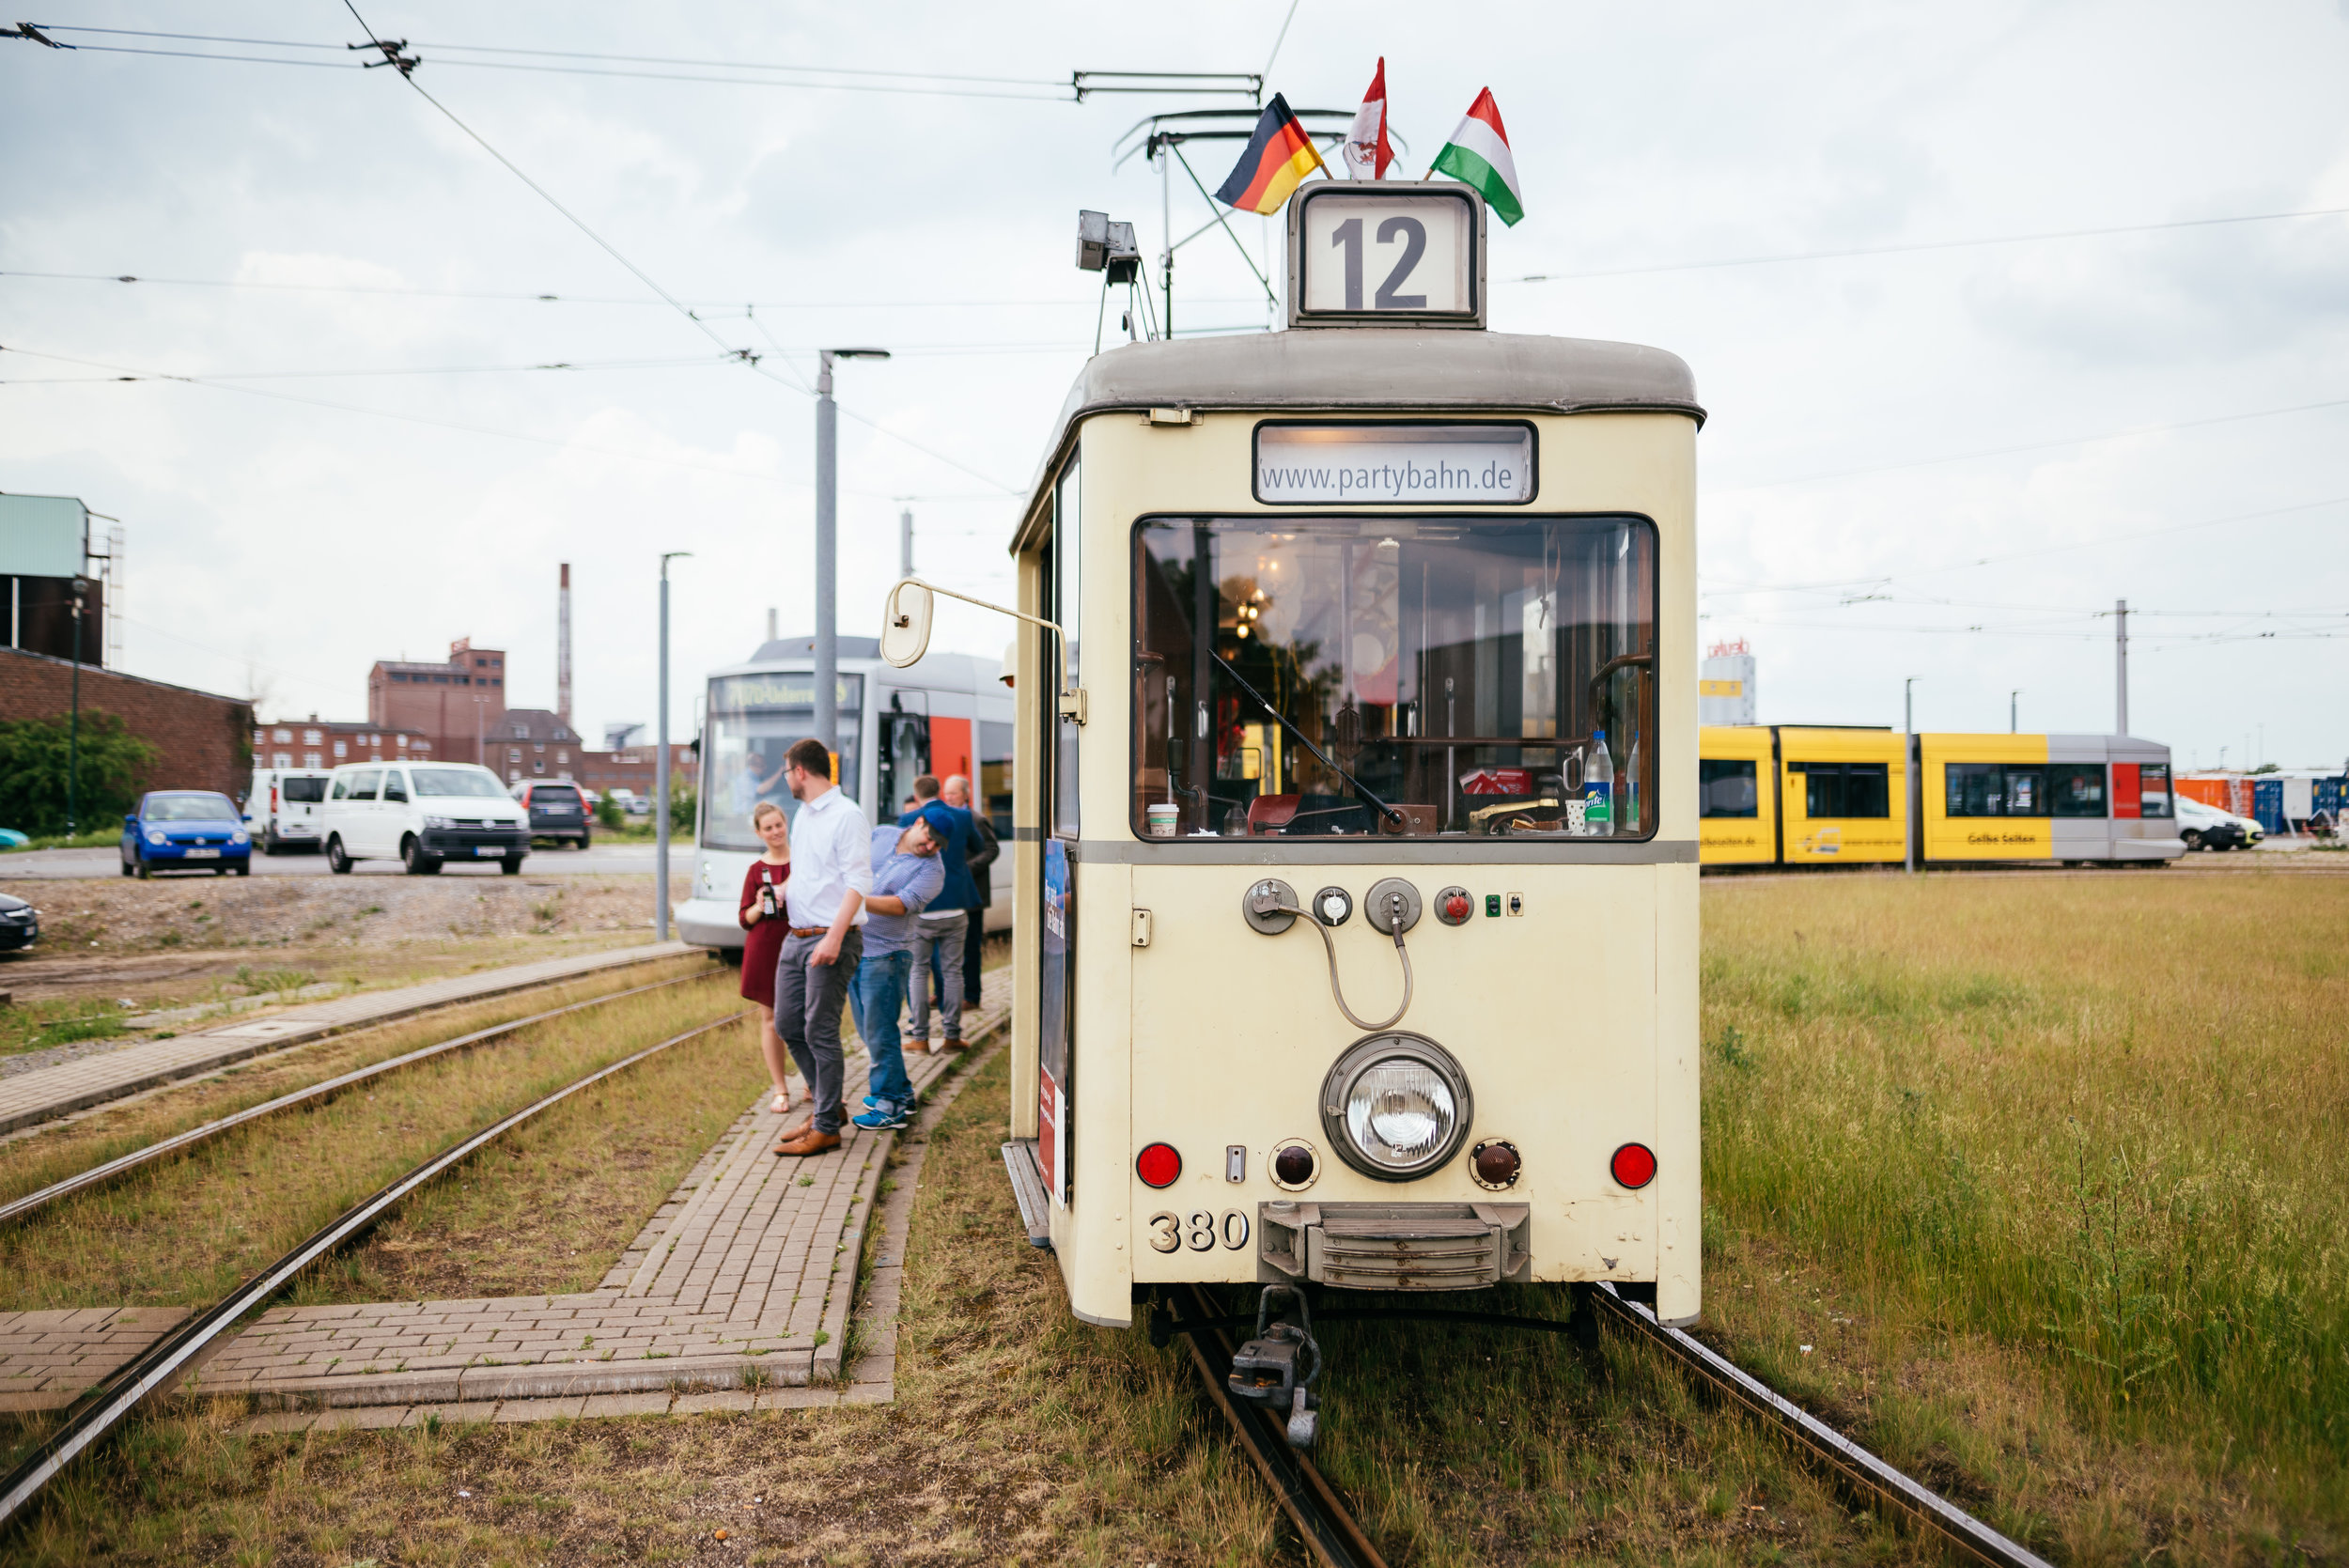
point(940, 931)
point(956, 792)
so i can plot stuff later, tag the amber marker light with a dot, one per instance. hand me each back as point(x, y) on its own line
point(1634, 1165)
point(1158, 1165)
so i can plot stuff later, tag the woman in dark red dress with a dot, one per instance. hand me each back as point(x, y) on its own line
point(762, 915)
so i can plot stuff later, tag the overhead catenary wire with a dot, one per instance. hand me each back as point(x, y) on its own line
point(590, 63)
point(560, 443)
point(713, 309)
point(1738, 590)
point(2027, 446)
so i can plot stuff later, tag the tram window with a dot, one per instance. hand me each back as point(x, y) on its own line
point(1993, 789)
point(753, 720)
point(1846, 789)
point(994, 760)
point(1066, 567)
point(1726, 789)
point(2076, 788)
point(2153, 781)
point(1291, 672)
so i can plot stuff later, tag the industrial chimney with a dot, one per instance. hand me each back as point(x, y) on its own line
point(563, 652)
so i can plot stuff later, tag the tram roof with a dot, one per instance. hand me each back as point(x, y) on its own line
point(1385, 370)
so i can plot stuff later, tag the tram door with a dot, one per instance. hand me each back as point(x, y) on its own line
point(905, 751)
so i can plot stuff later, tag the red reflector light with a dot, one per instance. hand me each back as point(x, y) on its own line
point(1634, 1165)
point(1158, 1165)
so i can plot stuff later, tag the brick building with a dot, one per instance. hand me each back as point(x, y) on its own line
point(315, 742)
point(447, 699)
point(626, 767)
point(532, 743)
point(201, 737)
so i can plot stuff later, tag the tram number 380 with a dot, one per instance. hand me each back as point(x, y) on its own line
point(1199, 1232)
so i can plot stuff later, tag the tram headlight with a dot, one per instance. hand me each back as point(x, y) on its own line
point(1396, 1107)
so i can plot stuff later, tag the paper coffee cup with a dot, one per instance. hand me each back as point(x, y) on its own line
point(1161, 819)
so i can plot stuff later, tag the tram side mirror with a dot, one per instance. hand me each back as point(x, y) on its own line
point(905, 622)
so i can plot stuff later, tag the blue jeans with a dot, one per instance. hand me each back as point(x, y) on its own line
point(880, 991)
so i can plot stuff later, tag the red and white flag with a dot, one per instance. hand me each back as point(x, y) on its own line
point(1365, 150)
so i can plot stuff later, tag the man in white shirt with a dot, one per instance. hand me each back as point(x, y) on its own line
point(832, 872)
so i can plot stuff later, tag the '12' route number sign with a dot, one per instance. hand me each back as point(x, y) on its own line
point(1380, 254)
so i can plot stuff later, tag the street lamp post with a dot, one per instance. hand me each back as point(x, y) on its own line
point(73, 729)
point(660, 768)
point(1910, 768)
point(827, 681)
point(2012, 708)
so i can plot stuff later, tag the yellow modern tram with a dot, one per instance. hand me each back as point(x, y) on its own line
point(1786, 796)
point(1355, 761)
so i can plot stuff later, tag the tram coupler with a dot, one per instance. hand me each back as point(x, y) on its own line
point(1277, 1367)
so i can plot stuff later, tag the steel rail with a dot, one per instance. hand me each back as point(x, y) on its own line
point(101, 1410)
point(1330, 1533)
point(97, 1175)
point(1855, 1463)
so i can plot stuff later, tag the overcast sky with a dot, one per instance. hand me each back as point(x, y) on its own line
point(2124, 415)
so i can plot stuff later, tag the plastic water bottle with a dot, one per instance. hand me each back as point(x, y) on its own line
point(1631, 787)
point(1599, 790)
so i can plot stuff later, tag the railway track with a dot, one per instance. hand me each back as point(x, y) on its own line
point(97, 1176)
point(104, 1407)
point(1336, 1539)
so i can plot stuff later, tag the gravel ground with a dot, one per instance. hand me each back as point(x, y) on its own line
point(159, 944)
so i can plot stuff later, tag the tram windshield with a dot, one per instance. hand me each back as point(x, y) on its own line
point(1397, 675)
point(753, 720)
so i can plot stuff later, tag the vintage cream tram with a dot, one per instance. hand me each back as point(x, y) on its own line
point(1339, 965)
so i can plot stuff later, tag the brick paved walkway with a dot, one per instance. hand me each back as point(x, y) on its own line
point(741, 1285)
point(47, 1358)
point(48, 1093)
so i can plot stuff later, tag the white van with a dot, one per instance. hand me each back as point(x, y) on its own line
point(281, 810)
point(425, 812)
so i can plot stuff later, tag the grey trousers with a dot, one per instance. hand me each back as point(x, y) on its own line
point(943, 938)
point(808, 999)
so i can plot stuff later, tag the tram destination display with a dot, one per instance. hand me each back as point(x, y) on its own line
point(1394, 464)
point(1387, 253)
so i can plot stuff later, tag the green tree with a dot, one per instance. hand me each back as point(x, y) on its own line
point(681, 803)
point(112, 767)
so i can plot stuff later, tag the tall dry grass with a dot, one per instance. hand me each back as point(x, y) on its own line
point(2098, 1120)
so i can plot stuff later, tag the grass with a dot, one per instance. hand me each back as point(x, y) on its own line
point(2045, 1178)
point(184, 1233)
point(94, 838)
point(555, 1204)
point(34, 1159)
point(2031, 1184)
point(38, 1025)
point(1019, 1436)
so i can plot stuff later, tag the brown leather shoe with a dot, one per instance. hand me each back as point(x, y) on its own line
point(800, 1129)
point(952, 1043)
point(812, 1143)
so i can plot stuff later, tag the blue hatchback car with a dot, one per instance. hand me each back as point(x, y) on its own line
point(185, 829)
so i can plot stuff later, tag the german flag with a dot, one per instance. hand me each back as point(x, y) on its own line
point(1280, 155)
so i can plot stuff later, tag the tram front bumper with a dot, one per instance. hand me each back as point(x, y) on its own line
point(1395, 1246)
point(707, 922)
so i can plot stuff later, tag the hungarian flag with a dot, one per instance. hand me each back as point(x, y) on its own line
point(1366, 151)
point(1478, 155)
point(1279, 157)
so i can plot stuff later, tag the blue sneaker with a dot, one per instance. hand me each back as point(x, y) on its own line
point(886, 1116)
point(873, 1101)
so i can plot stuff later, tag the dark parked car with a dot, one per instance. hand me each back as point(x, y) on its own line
point(20, 924)
point(185, 829)
point(556, 810)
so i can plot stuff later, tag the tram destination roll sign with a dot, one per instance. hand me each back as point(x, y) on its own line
point(1385, 253)
point(1390, 464)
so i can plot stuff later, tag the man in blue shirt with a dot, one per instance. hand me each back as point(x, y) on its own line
point(907, 877)
point(941, 931)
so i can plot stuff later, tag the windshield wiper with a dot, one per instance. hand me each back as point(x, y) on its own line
point(1281, 719)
